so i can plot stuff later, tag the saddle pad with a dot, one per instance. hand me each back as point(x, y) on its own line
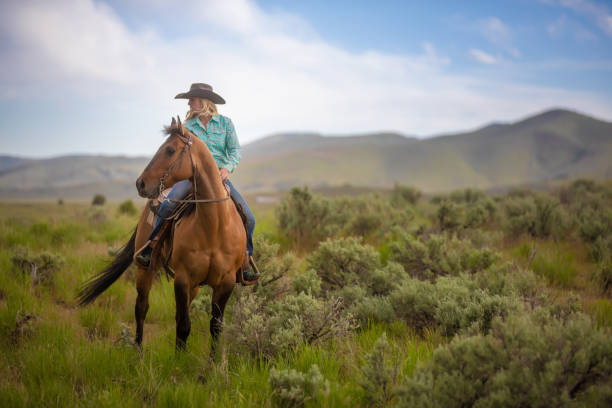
point(150, 218)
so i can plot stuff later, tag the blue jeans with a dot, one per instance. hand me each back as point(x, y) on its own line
point(180, 190)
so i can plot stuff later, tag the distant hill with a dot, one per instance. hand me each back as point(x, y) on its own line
point(72, 177)
point(554, 145)
point(9, 162)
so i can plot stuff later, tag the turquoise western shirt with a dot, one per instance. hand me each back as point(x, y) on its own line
point(220, 137)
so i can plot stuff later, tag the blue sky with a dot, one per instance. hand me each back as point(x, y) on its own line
point(85, 76)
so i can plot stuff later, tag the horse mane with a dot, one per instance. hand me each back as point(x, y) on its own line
point(170, 130)
point(176, 127)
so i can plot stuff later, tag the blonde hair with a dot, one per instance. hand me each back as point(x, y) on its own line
point(209, 109)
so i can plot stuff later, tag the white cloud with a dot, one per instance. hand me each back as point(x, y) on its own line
point(483, 57)
point(607, 23)
point(495, 30)
point(555, 28)
point(498, 33)
point(274, 70)
point(564, 25)
point(598, 13)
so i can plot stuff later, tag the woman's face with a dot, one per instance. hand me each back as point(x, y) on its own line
point(195, 104)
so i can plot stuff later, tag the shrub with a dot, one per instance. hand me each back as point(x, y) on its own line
point(509, 280)
point(291, 388)
point(320, 319)
point(520, 216)
point(448, 216)
point(383, 280)
point(415, 302)
point(25, 324)
point(41, 268)
point(602, 248)
point(98, 199)
point(594, 224)
point(306, 218)
point(248, 330)
point(577, 191)
point(343, 261)
point(125, 338)
point(401, 195)
point(536, 215)
point(461, 304)
point(379, 374)
point(527, 360)
point(438, 255)
point(363, 224)
point(369, 216)
point(201, 305)
point(475, 216)
point(127, 207)
point(274, 281)
point(453, 304)
point(520, 192)
point(351, 294)
point(480, 213)
point(264, 330)
point(373, 309)
point(307, 282)
point(97, 216)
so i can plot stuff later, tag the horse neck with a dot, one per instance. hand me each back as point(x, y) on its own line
point(208, 183)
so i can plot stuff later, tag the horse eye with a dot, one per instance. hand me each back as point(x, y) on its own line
point(170, 151)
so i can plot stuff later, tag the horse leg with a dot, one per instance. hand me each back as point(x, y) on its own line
point(144, 281)
point(183, 323)
point(220, 297)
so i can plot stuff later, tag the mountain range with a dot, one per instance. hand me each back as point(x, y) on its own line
point(554, 145)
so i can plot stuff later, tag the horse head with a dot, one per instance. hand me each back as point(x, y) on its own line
point(170, 164)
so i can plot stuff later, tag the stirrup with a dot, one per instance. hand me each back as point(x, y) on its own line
point(245, 269)
point(137, 258)
point(255, 268)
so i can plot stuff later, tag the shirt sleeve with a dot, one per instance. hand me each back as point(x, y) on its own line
point(232, 147)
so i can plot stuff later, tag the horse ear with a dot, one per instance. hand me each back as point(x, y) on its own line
point(180, 125)
point(173, 123)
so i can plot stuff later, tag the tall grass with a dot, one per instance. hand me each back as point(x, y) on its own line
point(549, 260)
point(57, 355)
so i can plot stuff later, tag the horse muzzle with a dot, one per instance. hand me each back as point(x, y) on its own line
point(145, 192)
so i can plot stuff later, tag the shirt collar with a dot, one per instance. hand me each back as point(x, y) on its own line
point(196, 121)
point(199, 122)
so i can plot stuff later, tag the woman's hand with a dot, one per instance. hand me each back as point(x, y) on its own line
point(224, 174)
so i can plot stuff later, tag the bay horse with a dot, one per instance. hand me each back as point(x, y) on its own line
point(209, 244)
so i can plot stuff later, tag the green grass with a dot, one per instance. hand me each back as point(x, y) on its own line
point(601, 310)
point(65, 356)
point(549, 260)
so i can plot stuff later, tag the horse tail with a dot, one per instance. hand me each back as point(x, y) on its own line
point(94, 287)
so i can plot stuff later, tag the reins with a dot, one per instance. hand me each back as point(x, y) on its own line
point(187, 146)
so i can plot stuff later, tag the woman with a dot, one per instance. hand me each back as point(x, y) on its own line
point(217, 131)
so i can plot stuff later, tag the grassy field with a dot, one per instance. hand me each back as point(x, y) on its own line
point(56, 354)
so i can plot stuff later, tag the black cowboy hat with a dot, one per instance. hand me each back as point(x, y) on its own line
point(201, 91)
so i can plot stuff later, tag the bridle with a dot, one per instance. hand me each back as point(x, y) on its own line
point(187, 142)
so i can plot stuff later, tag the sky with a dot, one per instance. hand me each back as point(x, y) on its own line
point(100, 76)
